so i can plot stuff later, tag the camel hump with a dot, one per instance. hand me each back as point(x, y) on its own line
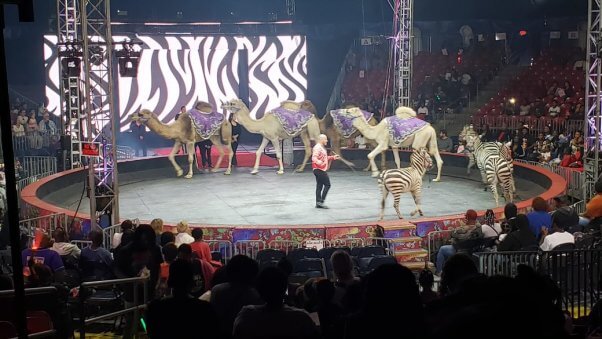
point(204, 106)
point(405, 112)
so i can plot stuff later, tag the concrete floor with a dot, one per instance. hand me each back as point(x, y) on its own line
point(269, 199)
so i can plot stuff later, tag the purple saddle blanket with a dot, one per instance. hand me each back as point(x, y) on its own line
point(345, 124)
point(205, 124)
point(293, 121)
point(400, 129)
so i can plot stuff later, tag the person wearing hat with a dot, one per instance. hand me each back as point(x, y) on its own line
point(471, 229)
point(562, 220)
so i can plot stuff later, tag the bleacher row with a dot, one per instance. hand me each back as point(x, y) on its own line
point(532, 84)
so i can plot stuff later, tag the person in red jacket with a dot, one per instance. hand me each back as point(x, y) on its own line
point(320, 161)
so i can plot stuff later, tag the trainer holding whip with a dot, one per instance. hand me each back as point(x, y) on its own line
point(320, 162)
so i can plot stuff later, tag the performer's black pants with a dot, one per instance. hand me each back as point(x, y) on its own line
point(205, 148)
point(234, 148)
point(322, 185)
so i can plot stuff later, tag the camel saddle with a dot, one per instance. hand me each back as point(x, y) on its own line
point(292, 120)
point(205, 123)
point(401, 129)
point(345, 124)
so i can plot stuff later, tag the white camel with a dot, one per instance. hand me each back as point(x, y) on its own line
point(272, 130)
point(422, 137)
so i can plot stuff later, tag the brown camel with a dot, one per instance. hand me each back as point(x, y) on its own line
point(182, 131)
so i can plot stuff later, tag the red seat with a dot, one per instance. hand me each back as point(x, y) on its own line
point(7, 330)
point(38, 321)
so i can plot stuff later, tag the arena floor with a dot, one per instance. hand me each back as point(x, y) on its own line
point(270, 199)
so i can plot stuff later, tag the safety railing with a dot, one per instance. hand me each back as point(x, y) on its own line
point(436, 239)
point(535, 125)
point(574, 179)
point(81, 243)
point(22, 183)
point(249, 247)
point(284, 245)
point(386, 243)
point(37, 165)
point(224, 247)
point(107, 235)
point(137, 304)
point(345, 242)
point(579, 207)
point(47, 223)
point(124, 152)
point(576, 272)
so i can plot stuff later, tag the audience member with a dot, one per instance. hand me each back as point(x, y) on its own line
point(274, 319)
point(229, 298)
point(470, 230)
point(62, 246)
point(539, 217)
point(457, 269)
point(183, 236)
point(96, 262)
point(521, 237)
point(344, 280)
point(444, 143)
point(181, 316)
point(157, 225)
point(40, 253)
point(47, 126)
point(200, 247)
point(220, 276)
point(126, 225)
point(490, 228)
point(201, 269)
point(391, 304)
point(562, 219)
point(166, 238)
point(426, 281)
point(593, 209)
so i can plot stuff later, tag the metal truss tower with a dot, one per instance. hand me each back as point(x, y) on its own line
point(70, 83)
point(593, 93)
point(86, 26)
point(403, 51)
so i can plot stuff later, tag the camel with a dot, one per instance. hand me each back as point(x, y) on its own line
point(423, 135)
point(272, 129)
point(182, 131)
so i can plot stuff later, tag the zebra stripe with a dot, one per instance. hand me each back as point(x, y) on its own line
point(408, 179)
point(178, 70)
point(495, 163)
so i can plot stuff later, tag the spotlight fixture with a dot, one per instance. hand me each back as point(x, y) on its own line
point(128, 58)
point(96, 55)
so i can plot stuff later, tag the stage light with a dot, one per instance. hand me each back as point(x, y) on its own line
point(522, 32)
point(512, 101)
point(71, 67)
point(128, 58)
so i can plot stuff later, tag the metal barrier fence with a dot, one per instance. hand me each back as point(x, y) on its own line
point(81, 243)
point(536, 125)
point(22, 183)
point(249, 247)
point(437, 238)
point(579, 206)
point(224, 247)
point(388, 244)
point(107, 235)
point(135, 308)
point(574, 179)
point(284, 245)
point(37, 165)
point(576, 272)
point(48, 223)
point(34, 143)
point(345, 242)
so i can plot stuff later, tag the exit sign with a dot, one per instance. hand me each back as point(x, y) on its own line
point(90, 149)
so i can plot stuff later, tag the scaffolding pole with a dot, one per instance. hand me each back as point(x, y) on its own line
point(593, 94)
point(403, 49)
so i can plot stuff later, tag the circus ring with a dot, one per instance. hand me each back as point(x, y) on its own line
point(270, 207)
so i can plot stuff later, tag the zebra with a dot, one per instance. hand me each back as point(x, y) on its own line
point(495, 163)
point(488, 148)
point(407, 179)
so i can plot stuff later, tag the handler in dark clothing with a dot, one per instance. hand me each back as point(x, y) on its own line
point(138, 131)
point(236, 130)
point(205, 148)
